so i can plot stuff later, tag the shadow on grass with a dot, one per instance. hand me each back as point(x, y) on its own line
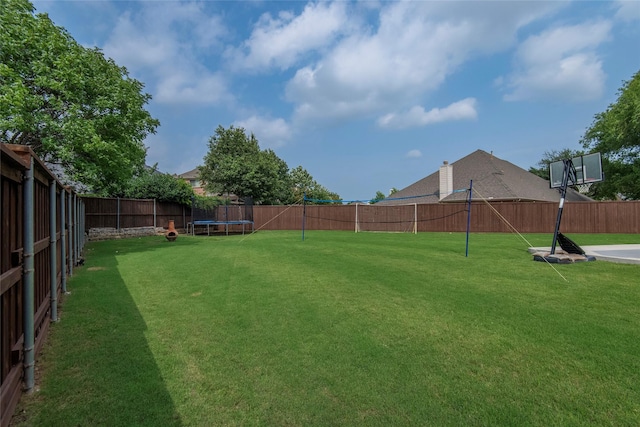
point(97, 368)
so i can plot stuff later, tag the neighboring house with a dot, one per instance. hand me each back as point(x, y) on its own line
point(493, 179)
point(193, 178)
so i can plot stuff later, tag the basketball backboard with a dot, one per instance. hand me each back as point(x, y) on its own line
point(588, 170)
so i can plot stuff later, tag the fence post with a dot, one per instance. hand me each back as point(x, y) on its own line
point(76, 201)
point(155, 223)
point(79, 231)
point(63, 237)
point(357, 227)
point(118, 215)
point(80, 228)
point(83, 218)
point(28, 280)
point(304, 212)
point(75, 230)
point(53, 251)
point(70, 228)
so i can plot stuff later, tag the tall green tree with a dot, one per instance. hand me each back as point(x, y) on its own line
point(275, 181)
point(235, 164)
point(229, 165)
point(303, 185)
point(616, 134)
point(75, 108)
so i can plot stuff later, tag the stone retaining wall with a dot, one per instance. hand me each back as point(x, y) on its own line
point(109, 233)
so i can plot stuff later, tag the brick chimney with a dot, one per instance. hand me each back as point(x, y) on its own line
point(446, 179)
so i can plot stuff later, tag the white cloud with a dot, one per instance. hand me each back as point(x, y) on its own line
point(282, 41)
point(167, 45)
point(417, 116)
point(628, 10)
point(135, 48)
point(188, 87)
point(412, 51)
point(414, 154)
point(561, 63)
point(271, 133)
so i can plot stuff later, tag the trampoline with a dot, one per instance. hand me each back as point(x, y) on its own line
point(212, 218)
point(191, 226)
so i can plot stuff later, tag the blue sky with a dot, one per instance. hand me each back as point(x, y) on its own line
point(366, 95)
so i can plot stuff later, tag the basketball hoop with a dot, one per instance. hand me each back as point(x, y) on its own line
point(588, 169)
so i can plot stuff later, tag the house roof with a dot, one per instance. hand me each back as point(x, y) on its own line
point(493, 179)
point(192, 174)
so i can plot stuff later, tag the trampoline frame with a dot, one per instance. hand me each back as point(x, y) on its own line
point(191, 226)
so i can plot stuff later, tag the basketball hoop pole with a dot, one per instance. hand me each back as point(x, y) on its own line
point(569, 171)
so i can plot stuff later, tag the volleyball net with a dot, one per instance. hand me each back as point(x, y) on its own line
point(390, 215)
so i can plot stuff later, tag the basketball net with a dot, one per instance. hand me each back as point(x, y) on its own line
point(584, 188)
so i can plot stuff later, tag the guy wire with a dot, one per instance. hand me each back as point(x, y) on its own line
point(503, 219)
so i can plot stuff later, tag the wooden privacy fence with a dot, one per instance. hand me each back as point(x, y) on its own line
point(121, 213)
point(41, 239)
point(496, 217)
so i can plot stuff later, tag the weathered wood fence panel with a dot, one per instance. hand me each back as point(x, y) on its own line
point(496, 217)
point(122, 213)
point(41, 241)
point(499, 217)
point(101, 212)
point(172, 211)
point(11, 305)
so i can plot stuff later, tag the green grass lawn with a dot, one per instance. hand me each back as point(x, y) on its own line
point(341, 329)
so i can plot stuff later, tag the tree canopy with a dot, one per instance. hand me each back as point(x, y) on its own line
point(235, 164)
point(379, 196)
point(615, 133)
point(542, 169)
point(303, 185)
point(151, 184)
point(75, 108)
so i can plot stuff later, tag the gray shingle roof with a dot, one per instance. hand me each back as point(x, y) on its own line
point(192, 174)
point(493, 179)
